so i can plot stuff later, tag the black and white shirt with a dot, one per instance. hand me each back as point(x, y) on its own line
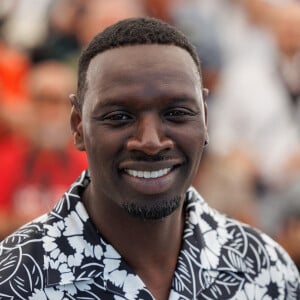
point(62, 256)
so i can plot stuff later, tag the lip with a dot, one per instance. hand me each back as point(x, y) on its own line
point(151, 186)
point(149, 165)
point(164, 173)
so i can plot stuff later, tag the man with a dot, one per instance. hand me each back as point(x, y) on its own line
point(132, 227)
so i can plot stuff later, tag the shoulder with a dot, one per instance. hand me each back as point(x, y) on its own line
point(262, 260)
point(243, 250)
point(260, 251)
point(21, 258)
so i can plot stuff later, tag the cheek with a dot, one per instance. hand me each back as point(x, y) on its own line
point(191, 144)
point(191, 139)
point(102, 146)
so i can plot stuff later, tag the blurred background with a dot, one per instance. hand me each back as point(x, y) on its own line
point(250, 54)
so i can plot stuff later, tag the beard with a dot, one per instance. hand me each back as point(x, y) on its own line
point(155, 211)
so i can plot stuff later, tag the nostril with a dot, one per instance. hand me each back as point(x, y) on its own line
point(149, 146)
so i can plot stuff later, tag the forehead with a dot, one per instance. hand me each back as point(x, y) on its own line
point(149, 68)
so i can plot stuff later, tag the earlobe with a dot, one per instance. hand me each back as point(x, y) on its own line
point(76, 126)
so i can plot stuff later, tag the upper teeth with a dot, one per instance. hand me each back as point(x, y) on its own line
point(148, 174)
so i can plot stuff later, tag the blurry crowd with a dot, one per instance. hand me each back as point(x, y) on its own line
point(250, 54)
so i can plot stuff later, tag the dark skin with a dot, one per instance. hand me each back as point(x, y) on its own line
point(142, 111)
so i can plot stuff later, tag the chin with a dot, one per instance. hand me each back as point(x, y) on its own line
point(153, 211)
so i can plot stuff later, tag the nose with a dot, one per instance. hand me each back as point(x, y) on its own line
point(149, 136)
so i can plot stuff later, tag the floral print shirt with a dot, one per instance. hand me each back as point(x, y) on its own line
point(62, 256)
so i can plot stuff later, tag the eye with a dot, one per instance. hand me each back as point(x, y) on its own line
point(178, 114)
point(175, 113)
point(117, 118)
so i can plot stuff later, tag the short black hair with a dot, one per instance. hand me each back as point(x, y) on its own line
point(132, 31)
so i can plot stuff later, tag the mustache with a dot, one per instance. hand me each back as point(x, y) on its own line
point(151, 158)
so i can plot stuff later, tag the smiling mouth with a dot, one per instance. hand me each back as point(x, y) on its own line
point(148, 174)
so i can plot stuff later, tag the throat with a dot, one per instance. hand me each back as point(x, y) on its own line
point(158, 281)
point(154, 256)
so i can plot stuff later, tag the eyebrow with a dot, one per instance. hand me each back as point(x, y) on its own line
point(172, 101)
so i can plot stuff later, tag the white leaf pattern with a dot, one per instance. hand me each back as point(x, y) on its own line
point(31, 278)
point(8, 264)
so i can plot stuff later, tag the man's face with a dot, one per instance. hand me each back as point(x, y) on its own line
point(143, 128)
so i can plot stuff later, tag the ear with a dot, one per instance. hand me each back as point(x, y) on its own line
point(205, 95)
point(76, 124)
point(206, 123)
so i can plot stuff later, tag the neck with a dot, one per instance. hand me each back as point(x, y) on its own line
point(150, 248)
